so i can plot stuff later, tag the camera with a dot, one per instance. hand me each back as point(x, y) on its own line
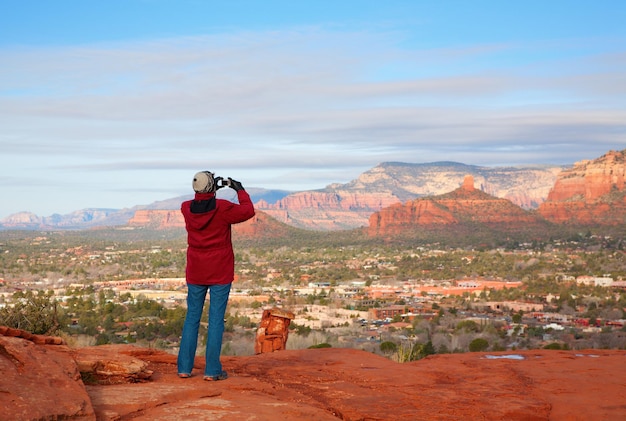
point(223, 182)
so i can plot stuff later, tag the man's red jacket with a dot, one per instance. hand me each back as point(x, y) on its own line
point(210, 257)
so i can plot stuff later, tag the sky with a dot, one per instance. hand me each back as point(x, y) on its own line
point(117, 103)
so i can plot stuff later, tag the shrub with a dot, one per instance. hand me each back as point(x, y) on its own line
point(467, 326)
point(478, 344)
point(300, 329)
point(322, 345)
point(35, 312)
point(388, 347)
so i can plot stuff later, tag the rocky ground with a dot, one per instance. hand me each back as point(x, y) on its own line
point(47, 380)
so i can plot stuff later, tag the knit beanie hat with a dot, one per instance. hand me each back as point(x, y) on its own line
point(203, 182)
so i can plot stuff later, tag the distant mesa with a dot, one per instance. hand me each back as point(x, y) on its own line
point(157, 219)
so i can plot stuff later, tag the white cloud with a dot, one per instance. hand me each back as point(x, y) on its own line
point(293, 109)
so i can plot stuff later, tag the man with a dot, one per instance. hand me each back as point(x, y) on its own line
point(210, 266)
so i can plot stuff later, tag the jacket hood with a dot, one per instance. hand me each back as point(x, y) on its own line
point(199, 221)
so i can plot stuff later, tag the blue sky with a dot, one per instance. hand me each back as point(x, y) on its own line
point(116, 103)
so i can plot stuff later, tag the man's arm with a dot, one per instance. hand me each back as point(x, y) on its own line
point(245, 209)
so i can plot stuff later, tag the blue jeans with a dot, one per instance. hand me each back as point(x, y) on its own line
point(218, 298)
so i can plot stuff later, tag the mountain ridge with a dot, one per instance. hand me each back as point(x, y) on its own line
point(349, 205)
point(592, 193)
point(88, 218)
point(341, 206)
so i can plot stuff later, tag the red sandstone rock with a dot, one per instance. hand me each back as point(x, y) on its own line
point(109, 364)
point(319, 384)
point(24, 334)
point(464, 205)
point(261, 225)
point(347, 384)
point(273, 330)
point(160, 219)
point(590, 193)
point(328, 210)
point(40, 382)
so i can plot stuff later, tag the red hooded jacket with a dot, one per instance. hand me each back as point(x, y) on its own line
point(208, 220)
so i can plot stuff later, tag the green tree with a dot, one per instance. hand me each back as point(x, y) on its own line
point(478, 345)
point(420, 351)
point(468, 326)
point(427, 349)
point(388, 347)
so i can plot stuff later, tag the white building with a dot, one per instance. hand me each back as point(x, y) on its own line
point(599, 281)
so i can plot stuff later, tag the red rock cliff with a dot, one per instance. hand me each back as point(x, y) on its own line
point(161, 219)
point(590, 193)
point(328, 211)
